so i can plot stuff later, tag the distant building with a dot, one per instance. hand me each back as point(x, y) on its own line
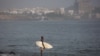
point(71, 12)
point(76, 7)
point(62, 10)
point(13, 12)
point(84, 6)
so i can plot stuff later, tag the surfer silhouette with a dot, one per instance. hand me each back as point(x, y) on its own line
point(43, 45)
point(42, 40)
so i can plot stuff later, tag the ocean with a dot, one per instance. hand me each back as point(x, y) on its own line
point(68, 38)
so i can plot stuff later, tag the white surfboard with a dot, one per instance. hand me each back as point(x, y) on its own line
point(47, 45)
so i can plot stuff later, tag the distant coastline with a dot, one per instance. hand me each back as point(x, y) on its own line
point(27, 17)
point(35, 18)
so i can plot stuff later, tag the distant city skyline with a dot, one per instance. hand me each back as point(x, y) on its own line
point(7, 4)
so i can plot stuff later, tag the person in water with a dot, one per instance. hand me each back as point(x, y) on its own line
point(42, 40)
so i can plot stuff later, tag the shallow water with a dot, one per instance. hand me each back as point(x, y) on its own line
point(71, 37)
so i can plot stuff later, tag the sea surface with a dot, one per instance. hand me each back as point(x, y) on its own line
point(68, 38)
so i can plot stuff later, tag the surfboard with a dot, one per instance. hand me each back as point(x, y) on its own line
point(47, 45)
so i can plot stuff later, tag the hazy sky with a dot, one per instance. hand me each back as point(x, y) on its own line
point(7, 4)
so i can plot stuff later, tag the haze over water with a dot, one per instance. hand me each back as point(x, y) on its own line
point(10, 4)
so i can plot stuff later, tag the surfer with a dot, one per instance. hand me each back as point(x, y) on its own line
point(42, 40)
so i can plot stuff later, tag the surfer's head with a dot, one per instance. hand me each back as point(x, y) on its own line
point(42, 38)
